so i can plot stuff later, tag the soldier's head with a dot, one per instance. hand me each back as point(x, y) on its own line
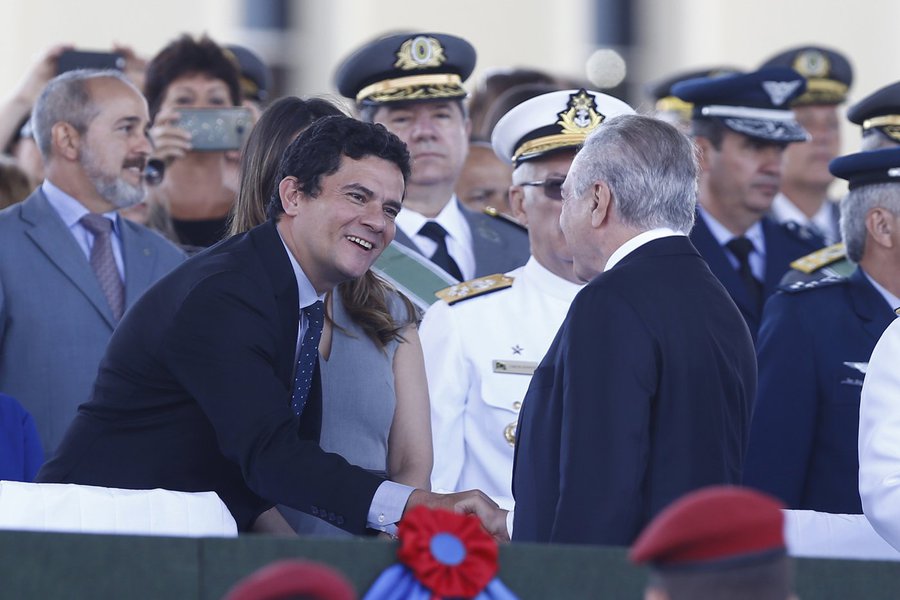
point(716, 542)
point(412, 84)
point(742, 124)
point(870, 212)
point(828, 78)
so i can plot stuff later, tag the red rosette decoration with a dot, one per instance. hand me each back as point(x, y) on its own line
point(449, 553)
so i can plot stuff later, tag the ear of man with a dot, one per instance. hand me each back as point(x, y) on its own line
point(601, 204)
point(66, 141)
point(517, 202)
point(880, 225)
point(291, 195)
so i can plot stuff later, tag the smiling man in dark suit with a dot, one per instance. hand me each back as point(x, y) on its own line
point(645, 393)
point(211, 381)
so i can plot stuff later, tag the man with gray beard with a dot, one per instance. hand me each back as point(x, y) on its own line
point(69, 265)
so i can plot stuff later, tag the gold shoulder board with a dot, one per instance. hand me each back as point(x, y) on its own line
point(475, 287)
point(820, 258)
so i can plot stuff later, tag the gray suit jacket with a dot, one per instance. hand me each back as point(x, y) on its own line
point(499, 246)
point(55, 321)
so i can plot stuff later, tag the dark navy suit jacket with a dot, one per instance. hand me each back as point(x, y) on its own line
point(814, 343)
point(194, 395)
point(644, 395)
point(784, 244)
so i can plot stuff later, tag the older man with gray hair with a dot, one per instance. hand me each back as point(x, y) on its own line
point(814, 347)
point(71, 266)
point(645, 393)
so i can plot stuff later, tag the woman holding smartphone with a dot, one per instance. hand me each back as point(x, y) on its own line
point(198, 188)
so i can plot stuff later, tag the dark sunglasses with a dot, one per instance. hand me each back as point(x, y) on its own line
point(552, 187)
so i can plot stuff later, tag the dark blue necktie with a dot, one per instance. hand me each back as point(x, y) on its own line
point(309, 354)
point(742, 247)
point(441, 257)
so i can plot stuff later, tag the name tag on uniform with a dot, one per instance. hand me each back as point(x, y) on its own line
point(515, 367)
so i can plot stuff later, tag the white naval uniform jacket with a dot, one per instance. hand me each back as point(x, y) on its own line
point(479, 356)
point(879, 437)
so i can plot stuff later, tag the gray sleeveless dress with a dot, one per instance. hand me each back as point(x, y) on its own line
point(358, 402)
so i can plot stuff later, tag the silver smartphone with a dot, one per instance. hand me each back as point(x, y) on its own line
point(216, 129)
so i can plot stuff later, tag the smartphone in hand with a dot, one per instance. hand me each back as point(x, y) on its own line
point(216, 129)
point(80, 59)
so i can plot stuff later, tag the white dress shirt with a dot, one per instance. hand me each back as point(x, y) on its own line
point(459, 234)
point(823, 222)
point(754, 234)
point(390, 498)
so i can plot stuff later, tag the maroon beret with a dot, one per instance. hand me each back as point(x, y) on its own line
point(713, 525)
point(288, 578)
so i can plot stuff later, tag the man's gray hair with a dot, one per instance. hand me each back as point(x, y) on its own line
point(854, 208)
point(66, 98)
point(650, 167)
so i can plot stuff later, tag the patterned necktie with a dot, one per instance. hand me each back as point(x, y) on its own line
point(103, 262)
point(441, 257)
point(741, 247)
point(309, 354)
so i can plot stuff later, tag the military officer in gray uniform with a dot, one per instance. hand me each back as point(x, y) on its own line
point(483, 342)
point(412, 84)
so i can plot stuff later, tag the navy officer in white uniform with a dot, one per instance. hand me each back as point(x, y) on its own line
point(484, 340)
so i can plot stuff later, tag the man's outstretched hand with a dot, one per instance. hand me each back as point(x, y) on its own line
point(476, 502)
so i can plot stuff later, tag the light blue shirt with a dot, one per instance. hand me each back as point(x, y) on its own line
point(754, 234)
point(71, 210)
point(390, 498)
point(892, 300)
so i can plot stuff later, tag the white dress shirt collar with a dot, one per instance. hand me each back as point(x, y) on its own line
point(754, 234)
point(638, 241)
point(306, 292)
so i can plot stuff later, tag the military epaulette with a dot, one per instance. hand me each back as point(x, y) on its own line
point(802, 286)
point(801, 232)
point(820, 258)
point(493, 212)
point(473, 288)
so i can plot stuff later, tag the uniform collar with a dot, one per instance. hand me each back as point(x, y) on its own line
point(548, 282)
point(723, 235)
point(892, 300)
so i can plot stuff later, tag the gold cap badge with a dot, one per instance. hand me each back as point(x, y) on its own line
point(581, 115)
point(812, 63)
point(421, 52)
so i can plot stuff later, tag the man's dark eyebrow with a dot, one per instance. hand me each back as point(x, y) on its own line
point(129, 120)
point(358, 187)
